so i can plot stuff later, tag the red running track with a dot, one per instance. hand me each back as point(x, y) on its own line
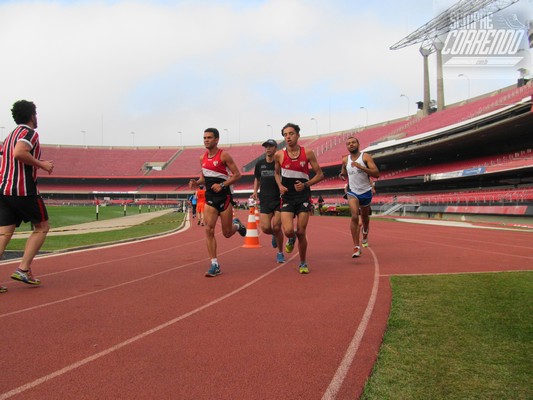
point(141, 321)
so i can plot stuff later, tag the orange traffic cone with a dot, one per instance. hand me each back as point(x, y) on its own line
point(251, 240)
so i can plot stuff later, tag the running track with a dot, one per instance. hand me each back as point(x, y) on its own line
point(141, 321)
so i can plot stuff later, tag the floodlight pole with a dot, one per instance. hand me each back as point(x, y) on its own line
point(439, 45)
point(425, 53)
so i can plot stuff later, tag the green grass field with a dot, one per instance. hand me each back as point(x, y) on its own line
point(457, 337)
point(63, 216)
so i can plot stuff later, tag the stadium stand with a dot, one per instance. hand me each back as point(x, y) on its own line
point(74, 161)
point(418, 157)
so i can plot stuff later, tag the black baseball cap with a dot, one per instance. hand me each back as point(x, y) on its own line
point(270, 142)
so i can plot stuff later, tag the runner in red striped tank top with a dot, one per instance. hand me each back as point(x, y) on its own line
point(219, 172)
point(292, 176)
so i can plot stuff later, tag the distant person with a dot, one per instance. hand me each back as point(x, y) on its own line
point(320, 204)
point(292, 176)
point(19, 197)
point(219, 172)
point(193, 200)
point(200, 204)
point(358, 167)
point(269, 198)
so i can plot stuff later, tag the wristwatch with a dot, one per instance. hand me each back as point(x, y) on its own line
point(222, 185)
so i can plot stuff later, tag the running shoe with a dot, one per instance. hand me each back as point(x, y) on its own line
point(289, 247)
point(364, 242)
point(274, 242)
point(3, 289)
point(25, 276)
point(213, 271)
point(303, 268)
point(280, 258)
point(240, 227)
point(356, 252)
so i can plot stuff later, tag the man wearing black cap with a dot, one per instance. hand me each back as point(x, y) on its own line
point(269, 199)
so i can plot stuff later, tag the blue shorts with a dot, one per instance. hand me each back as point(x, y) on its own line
point(364, 199)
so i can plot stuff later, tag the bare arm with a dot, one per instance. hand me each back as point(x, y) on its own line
point(344, 173)
point(256, 188)
point(194, 183)
point(278, 157)
point(319, 175)
point(22, 153)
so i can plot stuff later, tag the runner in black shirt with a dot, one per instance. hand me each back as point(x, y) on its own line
point(269, 199)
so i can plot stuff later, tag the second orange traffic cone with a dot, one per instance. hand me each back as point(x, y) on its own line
point(251, 240)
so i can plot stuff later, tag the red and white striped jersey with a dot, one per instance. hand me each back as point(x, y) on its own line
point(17, 178)
point(214, 169)
point(293, 170)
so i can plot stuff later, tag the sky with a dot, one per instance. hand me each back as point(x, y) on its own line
point(158, 72)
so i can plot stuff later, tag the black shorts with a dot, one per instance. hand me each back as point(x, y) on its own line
point(296, 206)
point(15, 209)
point(269, 206)
point(220, 201)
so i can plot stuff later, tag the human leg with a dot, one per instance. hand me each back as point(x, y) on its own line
point(6, 232)
point(301, 229)
point(210, 217)
point(365, 212)
point(276, 230)
point(353, 203)
point(277, 236)
point(265, 222)
point(287, 226)
point(229, 224)
point(34, 244)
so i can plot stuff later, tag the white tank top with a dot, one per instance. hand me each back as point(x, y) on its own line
point(358, 180)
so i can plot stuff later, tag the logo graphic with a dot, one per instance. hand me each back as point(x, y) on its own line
point(215, 163)
point(484, 41)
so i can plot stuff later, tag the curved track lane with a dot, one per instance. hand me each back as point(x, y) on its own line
point(141, 321)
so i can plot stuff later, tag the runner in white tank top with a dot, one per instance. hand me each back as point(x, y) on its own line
point(358, 167)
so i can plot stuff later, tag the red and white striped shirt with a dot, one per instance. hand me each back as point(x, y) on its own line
point(294, 170)
point(214, 169)
point(17, 178)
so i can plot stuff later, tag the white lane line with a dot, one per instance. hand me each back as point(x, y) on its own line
point(338, 379)
point(118, 346)
point(27, 309)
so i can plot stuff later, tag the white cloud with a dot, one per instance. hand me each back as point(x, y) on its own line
point(156, 68)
